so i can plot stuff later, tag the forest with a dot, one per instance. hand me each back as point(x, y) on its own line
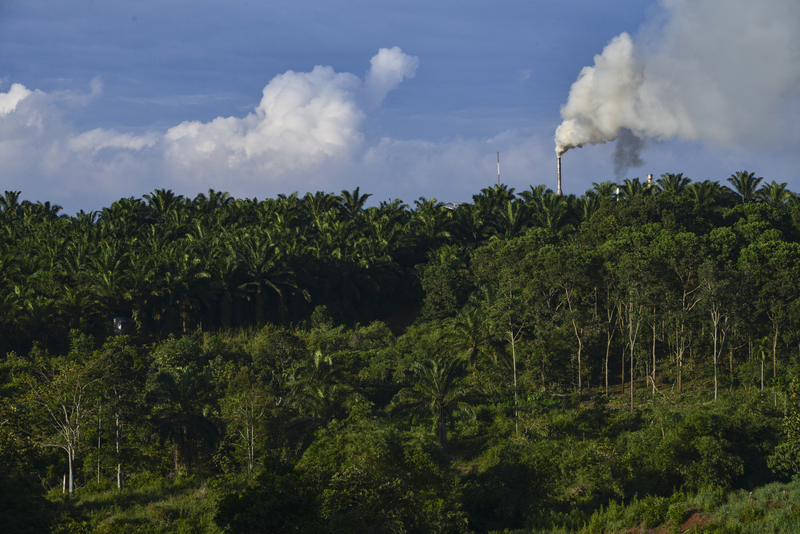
point(526, 362)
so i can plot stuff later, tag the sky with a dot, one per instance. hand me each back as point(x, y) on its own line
point(104, 100)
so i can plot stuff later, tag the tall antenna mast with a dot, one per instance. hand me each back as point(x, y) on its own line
point(498, 167)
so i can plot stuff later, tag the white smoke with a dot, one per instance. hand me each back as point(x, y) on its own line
point(724, 71)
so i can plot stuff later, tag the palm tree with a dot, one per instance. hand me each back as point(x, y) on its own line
point(180, 415)
point(262, 259)
point(319, 204)
point(429, 223)
point(705, 193)
point(513, 219)
point(396, 211)
point(673, 184)
point(605, 189)
point(162, 202)
point(552, 213)
point(437, 387)
point(380, 237)
point(585, 206)
point(492, 201)
point(123, 217)
point(45, 211)
point(775, 194)
point(746, 185)
point(316, 389)
point(352, 203)
point(109, 270)
point(214, 200)
point(470, 224)
point(469, 332)
point(9, 202)
point(633, 188)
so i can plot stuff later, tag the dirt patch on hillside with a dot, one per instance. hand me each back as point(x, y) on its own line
point(691, 519)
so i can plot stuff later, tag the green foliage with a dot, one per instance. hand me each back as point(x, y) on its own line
point(578, 362)
point(446, 282)
point(277, 501)
point(374, 478)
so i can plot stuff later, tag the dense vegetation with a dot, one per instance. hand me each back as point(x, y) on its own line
point(309, 364)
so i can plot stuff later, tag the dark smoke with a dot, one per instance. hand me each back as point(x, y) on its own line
point(627, 153)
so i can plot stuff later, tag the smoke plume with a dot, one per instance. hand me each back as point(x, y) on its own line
point(723, 71)
point(627, 153)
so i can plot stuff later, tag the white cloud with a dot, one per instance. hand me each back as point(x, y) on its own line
point(306, 123)
point(389, 67)
point(304, 120)
point(305, 131)
point(98, 139)
point(9, 100)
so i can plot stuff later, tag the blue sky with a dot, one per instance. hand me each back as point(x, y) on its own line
point(116, 99)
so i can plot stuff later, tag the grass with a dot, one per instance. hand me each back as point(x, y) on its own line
point(774, 508)
point(148, 505)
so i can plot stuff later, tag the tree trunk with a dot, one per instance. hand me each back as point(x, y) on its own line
point(70, 459)
point(514, 363)
point(632, 335)
point(654, 352)
point(609, 338)
point(719, 341)
point(442, 424)
point(251, 447)
point(608, 351)
point(716, 323)
point(775, 353)
point(99, 428)
point(117, 448)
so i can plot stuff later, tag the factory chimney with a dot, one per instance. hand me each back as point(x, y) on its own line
point(559, 193)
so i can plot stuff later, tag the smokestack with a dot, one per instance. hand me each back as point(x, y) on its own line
point(498, 167)
point(649, 179)
point(559, 193)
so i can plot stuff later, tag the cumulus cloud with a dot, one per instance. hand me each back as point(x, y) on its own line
point(388, 68)
point(304, 122)
point(9, 100)
point(99, 138)
point(723, 71)
point(42, 153)
point(307, 127)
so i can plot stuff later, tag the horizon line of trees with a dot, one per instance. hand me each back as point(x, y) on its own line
point(175, 264)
